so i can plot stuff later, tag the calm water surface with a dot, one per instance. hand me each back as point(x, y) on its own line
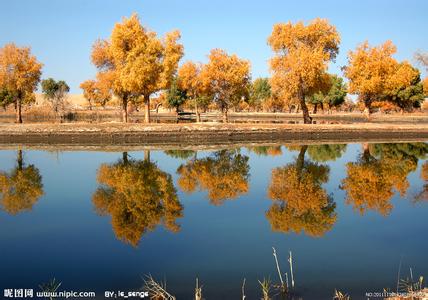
point(99, 221)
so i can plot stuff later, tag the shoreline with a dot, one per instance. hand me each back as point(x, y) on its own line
point(136, 134)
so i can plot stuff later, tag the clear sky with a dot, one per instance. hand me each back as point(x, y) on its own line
point(61, 32)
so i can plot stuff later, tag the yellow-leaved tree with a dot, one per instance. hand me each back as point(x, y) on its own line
point(302, 55)
point(140, 62)
point(300, 202)
point(19, 76)
point(369, 71)
point(227, 78)
point(99, 91)
point(138, 196)
point(190, 80)
point(224, 175)
point(381, 170)
point(21, 188)
point(90, 91)
point(423, 195)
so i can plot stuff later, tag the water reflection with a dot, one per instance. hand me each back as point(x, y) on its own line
point(224, 174)
point(380, 170)
point(327, 152)
point(300, 202)
point(180, 154)
point(20, 188)
point(138, 196)
point(266, 150)
point(423, 195)
point(294, 190)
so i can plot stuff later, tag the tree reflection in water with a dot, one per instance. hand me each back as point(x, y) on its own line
point(266, 150)
point(381, 170)
point(423, 195)
point(138, 196)
point(21, 188)
point(301, 204)
point(326, 152)
point(224, 174)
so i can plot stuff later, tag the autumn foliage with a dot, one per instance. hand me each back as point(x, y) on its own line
point(227, 78)
point(224, 175)
point(423, 195)
point(138, 196)
point(19, 76)
point(21, 188)
point(300, 202)
point(99, 91)
point(138, 62)
point(381, 171)
point(190, 80)
point(374, 75)
point(302, 54)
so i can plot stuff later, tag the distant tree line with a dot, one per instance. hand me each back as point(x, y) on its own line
point(135, 66)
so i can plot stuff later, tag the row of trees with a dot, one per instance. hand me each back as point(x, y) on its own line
point(139, 196)
point(134, 64)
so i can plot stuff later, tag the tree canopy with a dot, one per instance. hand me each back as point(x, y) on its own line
point(140, 63)
point(334, 96)
point(175, 96)
point(374, 75)
point(266, 150)
point(191, 81)
point(423, 195)
point(302, 54)
point(21, 188)
point(300, 202)
point(227, 78)
point(55, 92)
point(326, 152)
point(260, 93)
point(422, 58)
point(19, 76)
point(138, 196)
point(405, 88)
point(381, 170)
point(224, 174)
point(369, 69)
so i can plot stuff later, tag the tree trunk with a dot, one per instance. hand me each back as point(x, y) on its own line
point(18, 110)
point(300, 162)
point(306, 117)
point(198, 116)
point(125, 157)
point(20, 160)
point(367, 112)
point(322, 107)
point(147, 155)
point(366, 152)
point(368, 107)
point(125, 110)
point(225, 116)
point(315, 108)
point(146, 109)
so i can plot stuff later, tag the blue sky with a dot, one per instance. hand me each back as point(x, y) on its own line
point(62, 32)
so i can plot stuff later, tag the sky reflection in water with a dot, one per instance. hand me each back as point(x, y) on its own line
point(101, 220)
